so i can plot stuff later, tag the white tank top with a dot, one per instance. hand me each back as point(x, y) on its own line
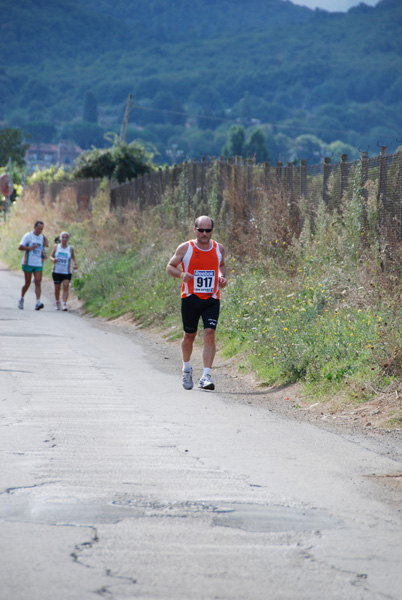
point(63, 264)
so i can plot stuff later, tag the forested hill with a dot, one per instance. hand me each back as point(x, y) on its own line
point(184, 20)
point(196, 66)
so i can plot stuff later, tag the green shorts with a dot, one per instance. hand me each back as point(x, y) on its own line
point(29, 269)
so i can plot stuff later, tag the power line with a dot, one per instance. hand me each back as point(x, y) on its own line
point(233, 120)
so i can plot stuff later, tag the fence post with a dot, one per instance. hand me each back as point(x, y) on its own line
point(289, 189)
point(303, 178)
point(363, 181)
point(250, 183)
point(294, 209)
point(184, 170)
point(194, 177)
point(364, 174)
point(141, 195)
point(221, 180)
point(160, 182)
point(382, 181)
point(327, 173)
point(278, 170)
point(289, 178)
point(203, 177)
point(237, 180)
point(267, 175)
point(174, 178)
point(152, 188)
point(384, 205)
point(147, 188)
point(210, 175)
point(344, 167)
point(167, 178)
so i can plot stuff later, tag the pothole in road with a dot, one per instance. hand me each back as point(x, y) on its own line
point(267, 518)
point(26, 507)
point(248, 517)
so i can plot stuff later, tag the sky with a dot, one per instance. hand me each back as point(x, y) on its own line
point(334, 5)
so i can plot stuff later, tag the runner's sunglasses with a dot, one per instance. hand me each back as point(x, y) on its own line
point(202, 230)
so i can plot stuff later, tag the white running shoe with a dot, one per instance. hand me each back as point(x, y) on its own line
point(188, 380)
point(65, 306)
point(206, 383)
point(21, 303)
point(57, 304)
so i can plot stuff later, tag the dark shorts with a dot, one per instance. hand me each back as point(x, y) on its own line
point(29, 269)
point(59, 277)
point(193, 307)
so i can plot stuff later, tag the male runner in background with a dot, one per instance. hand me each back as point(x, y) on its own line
point(33, 245)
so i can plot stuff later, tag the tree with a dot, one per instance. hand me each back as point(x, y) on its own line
point(257, 147)
point(122, 162)
point(11, 146)
point(41, 131)
point(84, 134)
point(90, 113)
point(235, 142)
point(167, 109)
point(337, 148)
point(245, 107)
point(207, 98)
point(308, 147)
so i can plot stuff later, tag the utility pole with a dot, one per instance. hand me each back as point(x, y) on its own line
point(125, 120)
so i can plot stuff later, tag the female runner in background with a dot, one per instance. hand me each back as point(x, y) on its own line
point(63, 259)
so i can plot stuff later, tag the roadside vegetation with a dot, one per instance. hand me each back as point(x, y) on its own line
point(322, 308)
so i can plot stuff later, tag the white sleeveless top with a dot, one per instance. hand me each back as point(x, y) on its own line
point(63, 264)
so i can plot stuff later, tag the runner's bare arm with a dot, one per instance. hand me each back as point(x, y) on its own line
point(73, 258)
point(52, 255)
point(222, 268)
point(172, 268)
point(23, 248)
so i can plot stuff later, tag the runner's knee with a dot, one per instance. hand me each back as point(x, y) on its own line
point(209, 336)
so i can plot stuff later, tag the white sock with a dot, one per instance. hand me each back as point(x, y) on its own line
point(186, 366)
point(207, 371)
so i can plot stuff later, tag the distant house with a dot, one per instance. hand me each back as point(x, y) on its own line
point(46, 155)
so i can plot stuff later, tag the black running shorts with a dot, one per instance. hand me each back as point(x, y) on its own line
point(193, 307)
point(59, 277)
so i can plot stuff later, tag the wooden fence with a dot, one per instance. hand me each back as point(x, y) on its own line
point(224, 179)
point(334, 183)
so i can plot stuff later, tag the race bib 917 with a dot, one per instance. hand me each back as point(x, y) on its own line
point(204, 282)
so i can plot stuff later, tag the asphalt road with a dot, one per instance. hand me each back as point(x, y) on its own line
point(117, 483)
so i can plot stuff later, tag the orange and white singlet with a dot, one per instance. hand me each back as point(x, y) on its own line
point(204, 265)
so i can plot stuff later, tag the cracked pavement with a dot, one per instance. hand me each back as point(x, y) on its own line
point(116, 482)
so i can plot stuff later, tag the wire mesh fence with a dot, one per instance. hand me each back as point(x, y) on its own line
point(238, 185)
